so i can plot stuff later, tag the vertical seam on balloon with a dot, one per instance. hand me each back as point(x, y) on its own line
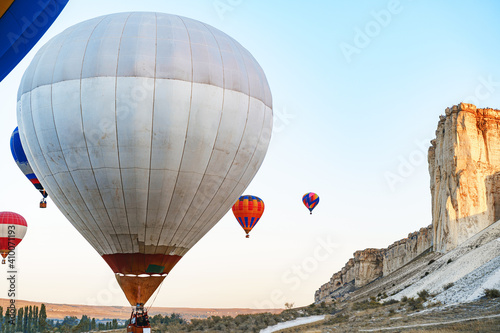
point(41, 151)
point(237, 150)
point(262, 129)
point(116, 130)
point(87, 147)
point(36, 137)
point(59, 141)
point(215, 143)
point(152, 133)
point(35, 61)
point(235, 155)
point(185, 138)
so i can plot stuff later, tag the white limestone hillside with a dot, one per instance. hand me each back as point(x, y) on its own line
point(471, 267)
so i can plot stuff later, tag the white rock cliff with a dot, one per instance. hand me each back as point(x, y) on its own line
point(464, 167)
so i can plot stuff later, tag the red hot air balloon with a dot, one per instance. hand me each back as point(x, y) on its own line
point(12, 230)
point(248, 210)
point(310, 200)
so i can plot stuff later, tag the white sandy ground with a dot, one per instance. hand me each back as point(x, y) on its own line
point(471, 286)
point(292, 323)
point(471, 268)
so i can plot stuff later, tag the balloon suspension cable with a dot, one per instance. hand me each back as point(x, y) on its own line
point(157, 292)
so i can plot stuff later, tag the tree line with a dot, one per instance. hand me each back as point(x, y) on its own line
point(32, 319)
point(29, 319)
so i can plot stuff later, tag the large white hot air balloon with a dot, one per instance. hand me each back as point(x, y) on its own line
point(145, 128)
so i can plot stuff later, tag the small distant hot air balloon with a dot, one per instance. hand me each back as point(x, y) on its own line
point(22, 162)
point(248, 210)
point(12, 230)
point(310, 200)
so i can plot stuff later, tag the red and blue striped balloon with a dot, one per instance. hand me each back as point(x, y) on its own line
point(248, 210)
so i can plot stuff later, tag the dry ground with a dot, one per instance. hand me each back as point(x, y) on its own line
point(480, 316)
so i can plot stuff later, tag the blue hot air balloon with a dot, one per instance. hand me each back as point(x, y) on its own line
point(22, 162)
point(22, 24)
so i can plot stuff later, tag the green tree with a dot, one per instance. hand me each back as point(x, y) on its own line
point(10, 320)
point(83, 325)
point(20, 315)
point(42, 319)
point(35, 319)
point(30, 320)
point(1, 319)
point(93, 325)
point(7, 319)
point(25, 319)
point(68, 324)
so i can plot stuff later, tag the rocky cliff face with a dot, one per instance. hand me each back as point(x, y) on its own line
point(464, 165)
point(348, 272)
point(367, 266)
point(370, 264)
point(405, 250)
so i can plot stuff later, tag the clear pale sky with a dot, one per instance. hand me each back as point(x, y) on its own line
point(358, 88)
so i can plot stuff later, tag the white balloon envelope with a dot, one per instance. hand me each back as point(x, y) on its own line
point(145, 128)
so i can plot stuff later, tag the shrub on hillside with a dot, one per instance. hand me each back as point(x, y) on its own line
point(415, 304)
point(448, 286)
point(364, 305)
point(391, 301)
point(337, 319)
point(492, 293)
point(423, 294)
